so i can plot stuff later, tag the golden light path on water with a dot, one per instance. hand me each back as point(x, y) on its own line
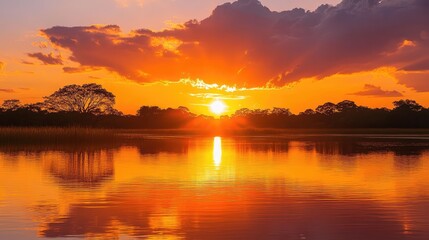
point(217, 151)
point(216, 188)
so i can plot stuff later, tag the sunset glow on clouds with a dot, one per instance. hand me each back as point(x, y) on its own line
point(243, 45)
point(127, 3)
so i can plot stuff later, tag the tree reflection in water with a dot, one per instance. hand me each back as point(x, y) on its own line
point(81, 168)
point(229, 188)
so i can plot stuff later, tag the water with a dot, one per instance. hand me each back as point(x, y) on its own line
point(218, 188)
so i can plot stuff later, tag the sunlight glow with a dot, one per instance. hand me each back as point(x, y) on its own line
point(217, 107)
point(217, 151)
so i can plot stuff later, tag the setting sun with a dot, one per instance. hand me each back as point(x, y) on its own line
point(214, 119)
point(217, 107)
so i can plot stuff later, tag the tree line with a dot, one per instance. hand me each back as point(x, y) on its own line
point(90, 105)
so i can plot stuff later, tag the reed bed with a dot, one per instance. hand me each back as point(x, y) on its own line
point(55, 135)
point(49, 135)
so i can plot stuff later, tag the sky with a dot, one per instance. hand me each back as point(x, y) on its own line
point(247, 53)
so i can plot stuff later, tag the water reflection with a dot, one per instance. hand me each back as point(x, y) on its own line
point(217, 188)
point(83, 169)
point(217, 151)
point(162, 145)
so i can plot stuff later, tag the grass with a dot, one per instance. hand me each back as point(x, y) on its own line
point(49, 135)
point(54, 135)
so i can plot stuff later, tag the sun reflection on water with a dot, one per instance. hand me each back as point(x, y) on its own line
point(176, 188)
point(217, 151)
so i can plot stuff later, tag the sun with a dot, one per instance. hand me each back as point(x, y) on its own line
point(217, 107)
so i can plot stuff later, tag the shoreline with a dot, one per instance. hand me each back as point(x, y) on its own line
point(76, 134)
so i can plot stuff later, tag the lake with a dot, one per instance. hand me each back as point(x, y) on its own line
point(171, 187)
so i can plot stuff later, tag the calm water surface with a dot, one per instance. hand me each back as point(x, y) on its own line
point(217, 188)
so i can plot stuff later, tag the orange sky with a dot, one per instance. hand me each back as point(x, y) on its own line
point(266, 59)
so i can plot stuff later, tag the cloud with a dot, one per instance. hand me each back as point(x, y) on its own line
point(371, 90)
point(77, 69)
point(202, 85)
point(47, 59)
point(73, 70)
point(127, 3)
point(2, 64)
point(27, 62)
point(7, 90)
point(418, 80)
point(217, 96)
point(421, 65)
point(245, 44)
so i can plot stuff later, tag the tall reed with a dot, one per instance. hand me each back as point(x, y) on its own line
point(54, 135)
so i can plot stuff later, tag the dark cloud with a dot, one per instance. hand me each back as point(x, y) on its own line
point(79, 69)
point(422, 65)
point(7, 90)
point(27, 62)
point(47, 59)
point(72, 70)
point(245, 44)
point(371, 90)
point(418, 80)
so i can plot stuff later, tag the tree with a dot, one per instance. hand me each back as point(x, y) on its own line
point(242, 112)
point(86, 98)
point(327, 108)
point(261, 112)
point(183, 109)
point(11, 105)
point(148, 111)
point(407, 105)
point(346, 105)
point(308, 112)
point(34, 107)
point(281, 111)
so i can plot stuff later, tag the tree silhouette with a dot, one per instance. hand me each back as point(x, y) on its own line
point(242, 112)
point(346, 105)
point(34, 107)
point(281, 111)
point(11, 105)
point(407, 105)
point(308, 112)
point(327, 108)
point(86, 98)
point(148, 111)
point(184, 109)
point(90, 105)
